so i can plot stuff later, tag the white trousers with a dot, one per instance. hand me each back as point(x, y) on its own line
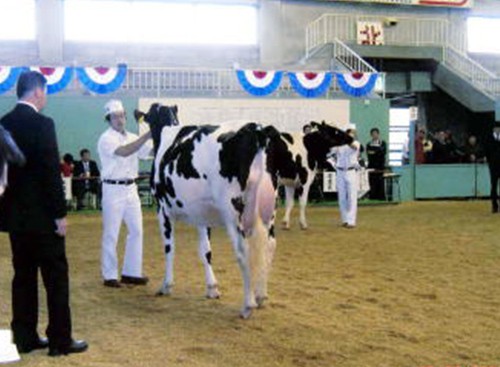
point(347, 190)
point(121, 203)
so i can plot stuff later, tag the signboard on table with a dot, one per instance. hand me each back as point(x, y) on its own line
point(442, 3)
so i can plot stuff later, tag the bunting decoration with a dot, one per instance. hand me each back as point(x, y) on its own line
point(310, 84)
point(259, 83)
point(8, 77)
point(357, 84)
point(102, 80)
point(58, 78)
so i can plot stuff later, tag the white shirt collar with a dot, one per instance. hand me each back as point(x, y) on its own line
point(28, 104)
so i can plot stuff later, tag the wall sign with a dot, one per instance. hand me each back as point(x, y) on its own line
point(370, 33)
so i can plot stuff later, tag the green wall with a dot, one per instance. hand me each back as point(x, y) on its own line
point(369, 113)
point(79, 120)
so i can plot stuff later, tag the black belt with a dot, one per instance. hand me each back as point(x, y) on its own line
point(345, 169)
point(119, 182)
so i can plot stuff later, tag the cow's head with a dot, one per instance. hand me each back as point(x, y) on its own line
point(157, 118)
point(323, 137)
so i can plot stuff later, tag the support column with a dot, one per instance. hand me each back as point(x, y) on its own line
point(50, 31)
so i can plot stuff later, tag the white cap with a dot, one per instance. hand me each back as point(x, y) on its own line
point(113, 106)
point(350, 127)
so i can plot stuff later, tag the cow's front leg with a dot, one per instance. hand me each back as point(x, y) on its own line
point(205, 253)
point(167, 234)
point(241, 250)
point(289, 202)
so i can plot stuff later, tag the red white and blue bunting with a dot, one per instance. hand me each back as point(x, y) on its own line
point(8, 77)
point(58, 78)
point(357, 84)
point(259, 83)
point(102, 80)
point(310, 84)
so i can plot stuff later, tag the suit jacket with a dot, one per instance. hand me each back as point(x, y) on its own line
point(78, 169)
point(35, 195)
point(79, 185)
point(492, 152)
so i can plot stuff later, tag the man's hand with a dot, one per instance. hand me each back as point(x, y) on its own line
point(61, 225)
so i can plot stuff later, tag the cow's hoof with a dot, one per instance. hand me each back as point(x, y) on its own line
point(303, 227)
point(164, 291)
point(213, 292)
point(246, 312)
point(285, 226)
point(260, 301)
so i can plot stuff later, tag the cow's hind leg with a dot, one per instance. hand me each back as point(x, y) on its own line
point(303, 203)
point(240, 245)
point(167, 233)
point(205, 253)
point(289, 202)
point(261, 294)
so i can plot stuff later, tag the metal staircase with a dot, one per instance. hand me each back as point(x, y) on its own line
point(459, 75)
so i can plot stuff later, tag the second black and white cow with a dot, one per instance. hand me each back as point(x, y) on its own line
point(215, 175)
point(298, 159)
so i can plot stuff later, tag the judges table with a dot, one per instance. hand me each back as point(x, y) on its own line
point(330, 184)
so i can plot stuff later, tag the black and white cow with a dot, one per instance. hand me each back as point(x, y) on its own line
point(298, 158)
point(9, 153)
point(215, 175)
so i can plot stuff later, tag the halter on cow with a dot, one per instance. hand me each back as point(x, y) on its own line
point(9, 153)
point(215, 175)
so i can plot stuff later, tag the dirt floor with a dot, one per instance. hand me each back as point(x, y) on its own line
point(414, 285)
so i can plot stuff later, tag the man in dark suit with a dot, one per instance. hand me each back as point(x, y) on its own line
point(85, 175)
point(492, 150)
point(376, 151)
point(33, 212)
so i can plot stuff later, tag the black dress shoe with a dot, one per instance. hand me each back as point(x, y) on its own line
point(40, 344)
point(76, 346)
point(113, 283)
point(134, 280)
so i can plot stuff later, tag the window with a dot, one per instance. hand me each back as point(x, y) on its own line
point(399, 127)
point(17, 20)
point(160, 22)
point(482, 34)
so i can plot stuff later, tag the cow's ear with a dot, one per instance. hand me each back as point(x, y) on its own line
point(138, 115)
point(175, 108)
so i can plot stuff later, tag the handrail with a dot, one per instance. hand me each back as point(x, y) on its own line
point(472, 71)
point(351, 59)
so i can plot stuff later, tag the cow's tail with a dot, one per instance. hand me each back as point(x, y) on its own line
point(260, 200)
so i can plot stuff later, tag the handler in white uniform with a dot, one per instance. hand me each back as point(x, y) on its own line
point(119, 152)
point(346, 165)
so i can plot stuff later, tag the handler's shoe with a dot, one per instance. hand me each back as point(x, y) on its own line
point(40, 343)
point(76, 346)
point(134, 280)
point(112, 283)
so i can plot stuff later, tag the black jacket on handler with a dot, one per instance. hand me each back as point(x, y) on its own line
point(35, 196)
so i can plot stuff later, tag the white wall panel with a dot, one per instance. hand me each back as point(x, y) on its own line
point(287, 115)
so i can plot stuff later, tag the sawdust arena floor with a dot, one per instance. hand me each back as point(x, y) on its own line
point(416, 284)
